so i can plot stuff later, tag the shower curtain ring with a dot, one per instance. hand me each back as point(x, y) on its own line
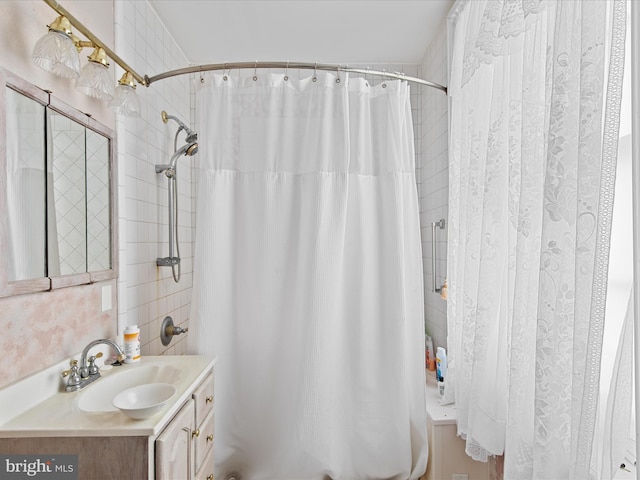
point(338, 79)
point(384, 76)
point(315, 72)
point(255, 71)
point(224, 72)
point(286, 72)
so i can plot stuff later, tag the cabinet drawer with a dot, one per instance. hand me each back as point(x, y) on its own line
point(203, 397)
point(204, 441)
point(206, 469)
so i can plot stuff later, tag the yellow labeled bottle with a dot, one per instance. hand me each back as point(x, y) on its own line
point(132, 344)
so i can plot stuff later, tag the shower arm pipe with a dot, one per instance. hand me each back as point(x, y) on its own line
point(293, 65)
point(78, 25)
point(439, 224)
point(635, 158)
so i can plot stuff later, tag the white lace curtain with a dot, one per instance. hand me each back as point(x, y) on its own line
point(533, 141)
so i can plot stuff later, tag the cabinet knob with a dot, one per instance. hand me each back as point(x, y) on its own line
point(210, 438)
point(210, 477)
point(195, 433)
point(209, 399)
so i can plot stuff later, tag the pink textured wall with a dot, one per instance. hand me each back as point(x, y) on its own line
point(42, 329)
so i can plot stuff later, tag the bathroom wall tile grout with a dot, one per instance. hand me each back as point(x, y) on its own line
point(147, 292)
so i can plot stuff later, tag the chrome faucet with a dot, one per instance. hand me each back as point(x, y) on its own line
point(84, 367)
point(87, 372)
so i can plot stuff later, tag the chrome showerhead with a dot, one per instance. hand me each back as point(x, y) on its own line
point(187, 150)
point(193, 148)
point(192, 136)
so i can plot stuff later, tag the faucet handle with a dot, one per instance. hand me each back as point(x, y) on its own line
point(72, 373)
point(73, 364)
point(92, 367)
point(168, 330)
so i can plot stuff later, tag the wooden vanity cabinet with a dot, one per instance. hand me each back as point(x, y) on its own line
point(99, 458)
point(184, 449)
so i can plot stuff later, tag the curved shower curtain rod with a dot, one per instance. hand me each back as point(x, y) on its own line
point(146, 80)
point(294, 65)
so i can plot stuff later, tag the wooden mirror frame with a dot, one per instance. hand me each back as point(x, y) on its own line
point(9, 288)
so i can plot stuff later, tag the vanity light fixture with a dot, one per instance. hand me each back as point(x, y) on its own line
point(95, 80)
point(58, 53)
point(126, 101)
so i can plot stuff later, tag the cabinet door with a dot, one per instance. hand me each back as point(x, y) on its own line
point(174, 452)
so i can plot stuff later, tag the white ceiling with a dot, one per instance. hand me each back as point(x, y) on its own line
point(352, 32)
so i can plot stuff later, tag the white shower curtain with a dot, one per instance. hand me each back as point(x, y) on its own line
point(533, 153)
point(308, 277)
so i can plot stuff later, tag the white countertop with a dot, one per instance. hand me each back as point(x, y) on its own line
point(438, 414)
point(59, 415)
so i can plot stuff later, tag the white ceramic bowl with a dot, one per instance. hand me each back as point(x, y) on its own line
point(142, 401)
point(98, 397)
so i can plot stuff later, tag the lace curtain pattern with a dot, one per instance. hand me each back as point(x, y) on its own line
point(531, 182)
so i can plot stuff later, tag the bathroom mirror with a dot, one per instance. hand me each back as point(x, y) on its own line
point(57, 209)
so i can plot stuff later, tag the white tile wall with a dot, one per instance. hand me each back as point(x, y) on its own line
point(147, 293)
point(432, 173)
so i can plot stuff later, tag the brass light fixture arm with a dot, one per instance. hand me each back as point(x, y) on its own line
point(95, 41)
point(80, 44)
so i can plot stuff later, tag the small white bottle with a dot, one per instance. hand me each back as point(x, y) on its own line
point(441, 370)
point(132, 344)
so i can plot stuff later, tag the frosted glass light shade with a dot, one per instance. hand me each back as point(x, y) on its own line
point(126, 101)
point(56, 53)
point(95, 81)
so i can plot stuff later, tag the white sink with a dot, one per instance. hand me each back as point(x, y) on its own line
point(38, 406)
point(97, 397)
